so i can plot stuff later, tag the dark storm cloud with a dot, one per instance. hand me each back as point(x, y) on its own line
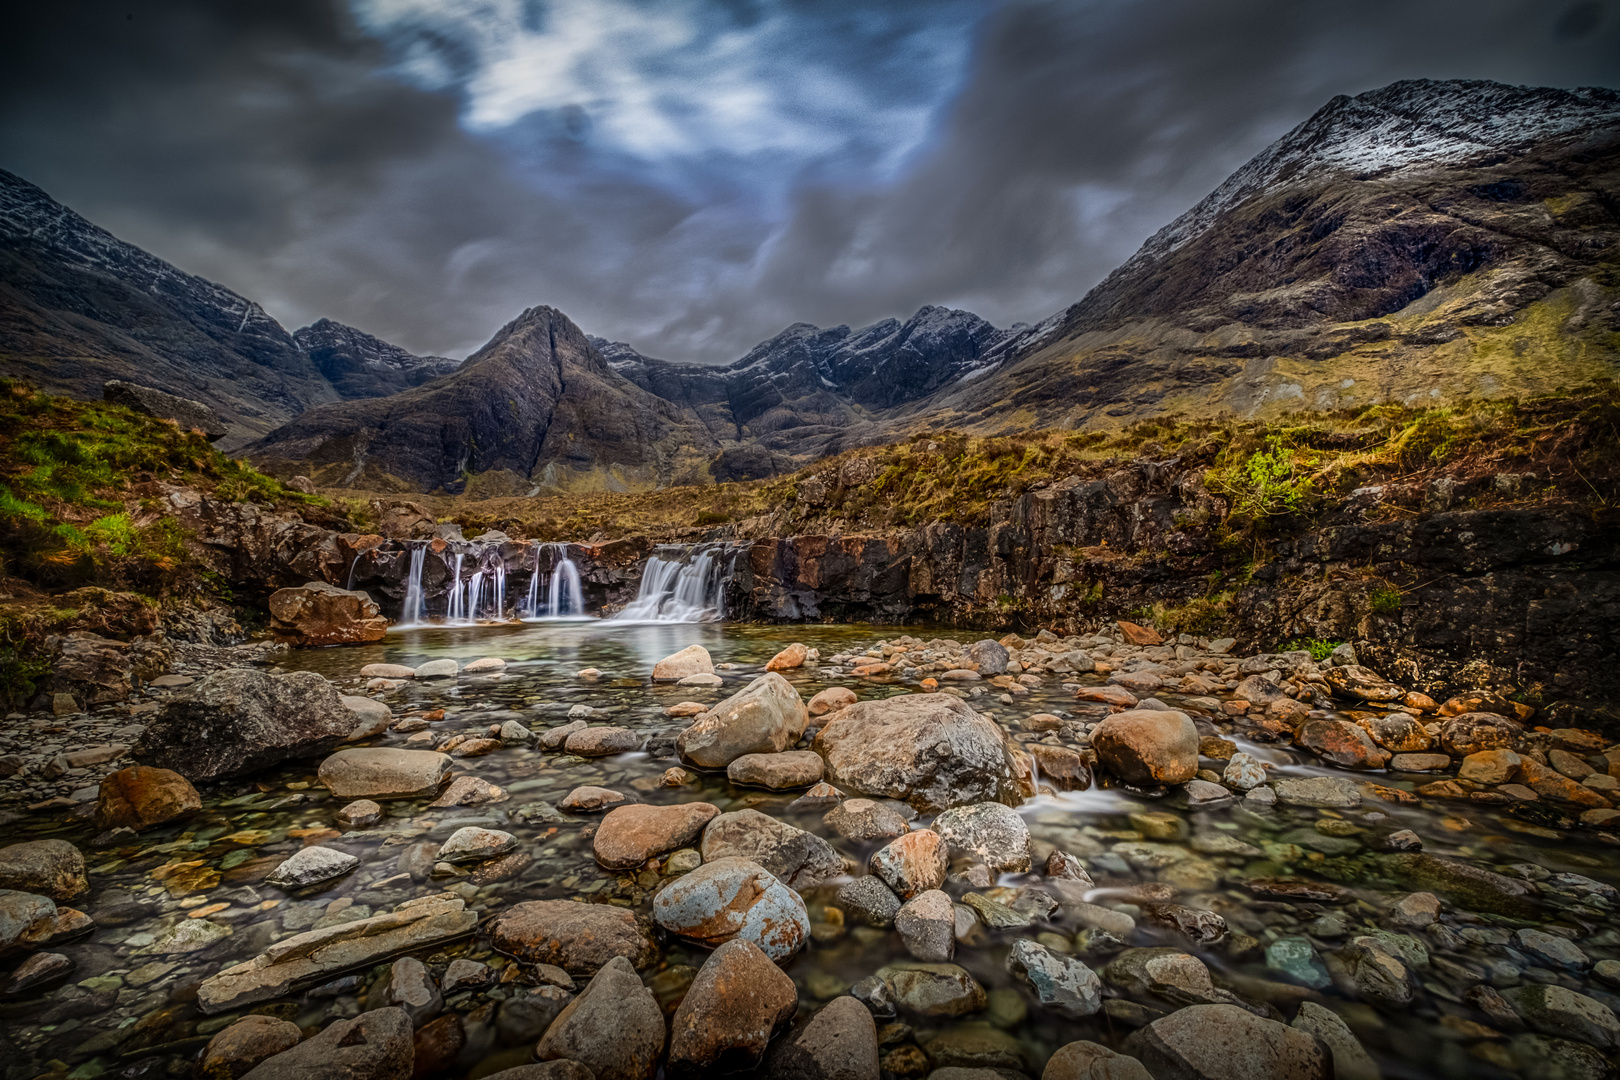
point(690, 176)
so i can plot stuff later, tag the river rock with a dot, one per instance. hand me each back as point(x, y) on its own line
point(796, 857)
point(831, 700)
point(926, 924)
point(359, 814)
point(913, 863)
point(469, 791)
point(371, 717)
point(930, 750)
point(1065, 769)
point(141, 797)
point(765, 717)
point(575, 936)
point(1092, 1061)
point(1148, 747)
point(473, 844)
point(23, 915)
point(1470, 887)
point(438, 669)
point(1226, 1042)
point(588, 800)
point(1362, 684)
point(1559, 1011)
point(1318, 791)
point(387, 671)
point(1244, 772)
point(557, 737)
point(989, 657)
point(614, 1027)
point(316, 613)
point(410, 986)
point(314, 956)
point(734, 898)
point(561, 1069)
point(790, 769)
point(934, 989)
point(991, 833)
point(1397, 732)
point(630, 835)
point(737, 1002)
point(602, 741)
point(692, 660)
point(384, 772)
point(1350, 1059)
point(53, 868)
point(789, 658)
point(1472, 732)
point(240, 721)
point(311, 866)
point(864, 819)
point(1064, 985)
point(1342, 743)
point(839, 1043)
point(375, 1046)
point(867, 900)
point(245, 1043)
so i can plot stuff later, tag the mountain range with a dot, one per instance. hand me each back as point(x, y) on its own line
point(1427, 241)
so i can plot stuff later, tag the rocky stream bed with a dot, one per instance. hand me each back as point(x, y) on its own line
point(579, 848)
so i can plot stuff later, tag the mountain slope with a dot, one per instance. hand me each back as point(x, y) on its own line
point(538, 404)
point(1429, 240)
point(78, 306)
point(359, 365)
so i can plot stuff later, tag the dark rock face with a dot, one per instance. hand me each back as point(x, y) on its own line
point(359, 365)
point(538, 402)
point(183, 411)
point(239, 721)
point(81, 307)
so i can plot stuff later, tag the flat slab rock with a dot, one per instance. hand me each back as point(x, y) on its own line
point(312, 957)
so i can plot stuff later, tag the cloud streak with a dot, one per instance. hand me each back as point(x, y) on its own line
point(692, 175)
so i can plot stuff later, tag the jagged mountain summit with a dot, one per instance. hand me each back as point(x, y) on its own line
point(537, 405)
point(1426, 241)
point(359, 365)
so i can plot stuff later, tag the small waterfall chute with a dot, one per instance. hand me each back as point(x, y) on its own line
point(683, 585)
point(556, 595)
point(411, 613)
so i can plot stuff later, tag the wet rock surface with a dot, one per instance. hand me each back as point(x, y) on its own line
point(1399, 927)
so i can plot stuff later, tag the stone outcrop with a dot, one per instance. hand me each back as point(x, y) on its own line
point(316, 613)
point(240, 721)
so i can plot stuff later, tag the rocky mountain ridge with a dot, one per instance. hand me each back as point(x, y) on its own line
point(359, 365)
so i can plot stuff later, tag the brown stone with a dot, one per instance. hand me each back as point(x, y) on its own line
point(788, 659)
point(1471, 732)
point(1139, 635)
point(250, 1040)
point(912, 863)
point(317, 613)
point(589, 799)
point(602, 741)
point(1551, 784)
point(436, 1046)
point(1145, 746)
point(831, 700)
point(737, 1002)
point(579, 938)
point(1397, 733)
point(1065, 769)
point(1342, 743)
point(141, 796)
point(1489, 767)
point(1108, 695)
point(630, 835)
point(614, 1027)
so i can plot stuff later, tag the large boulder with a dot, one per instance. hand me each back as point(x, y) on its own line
point(630, 835)
point(140, 798)
point(796, 857)
point(1148, 746)
point(377, 1045)
point(189, 414)
point(734, 898)
point(765, 717)
point(737, 1002)
point(94, 669)
point(53, 868)
point(240, 721)
point(614, 1028)
point(692, 660)
point(316, 613)
point(930, 750)
point(1226, 1042)
point(579, 938)
point(384, 772)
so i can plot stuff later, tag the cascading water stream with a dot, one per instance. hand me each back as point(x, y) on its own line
point(455, 598)
point(411, 613)
point(566, 595)
point(682, 585)
point(559, 594)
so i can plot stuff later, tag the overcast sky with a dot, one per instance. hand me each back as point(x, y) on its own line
point(693, 175)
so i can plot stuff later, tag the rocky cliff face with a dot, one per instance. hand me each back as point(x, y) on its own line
point(538, 404)
point(359, 365)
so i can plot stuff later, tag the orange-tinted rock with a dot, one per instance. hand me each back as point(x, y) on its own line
point(1108, 695)
point(1397, 733)
point(1139, 635)
point(1471, 732)
point(788, 659)
point(738, 1000)
point(1063, 768)
point(1489, 767)
point(630, 835)
point(1145, 746)
point(579, 938)
point(913, 863)
point(831, 700)
point(140, 797)
point(1342, 743)
point(1551, 784)
point(320, 614)
point(244, 1044)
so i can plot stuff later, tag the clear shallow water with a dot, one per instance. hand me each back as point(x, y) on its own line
point(130, 1001)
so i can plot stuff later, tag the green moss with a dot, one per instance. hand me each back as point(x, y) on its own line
point(1320, 650)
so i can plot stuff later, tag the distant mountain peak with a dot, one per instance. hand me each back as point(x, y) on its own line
point(361, 365)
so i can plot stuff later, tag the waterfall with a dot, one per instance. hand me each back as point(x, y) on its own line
point(455, 612)
point(561, 594)
point(411, 613)
point(682, 585)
